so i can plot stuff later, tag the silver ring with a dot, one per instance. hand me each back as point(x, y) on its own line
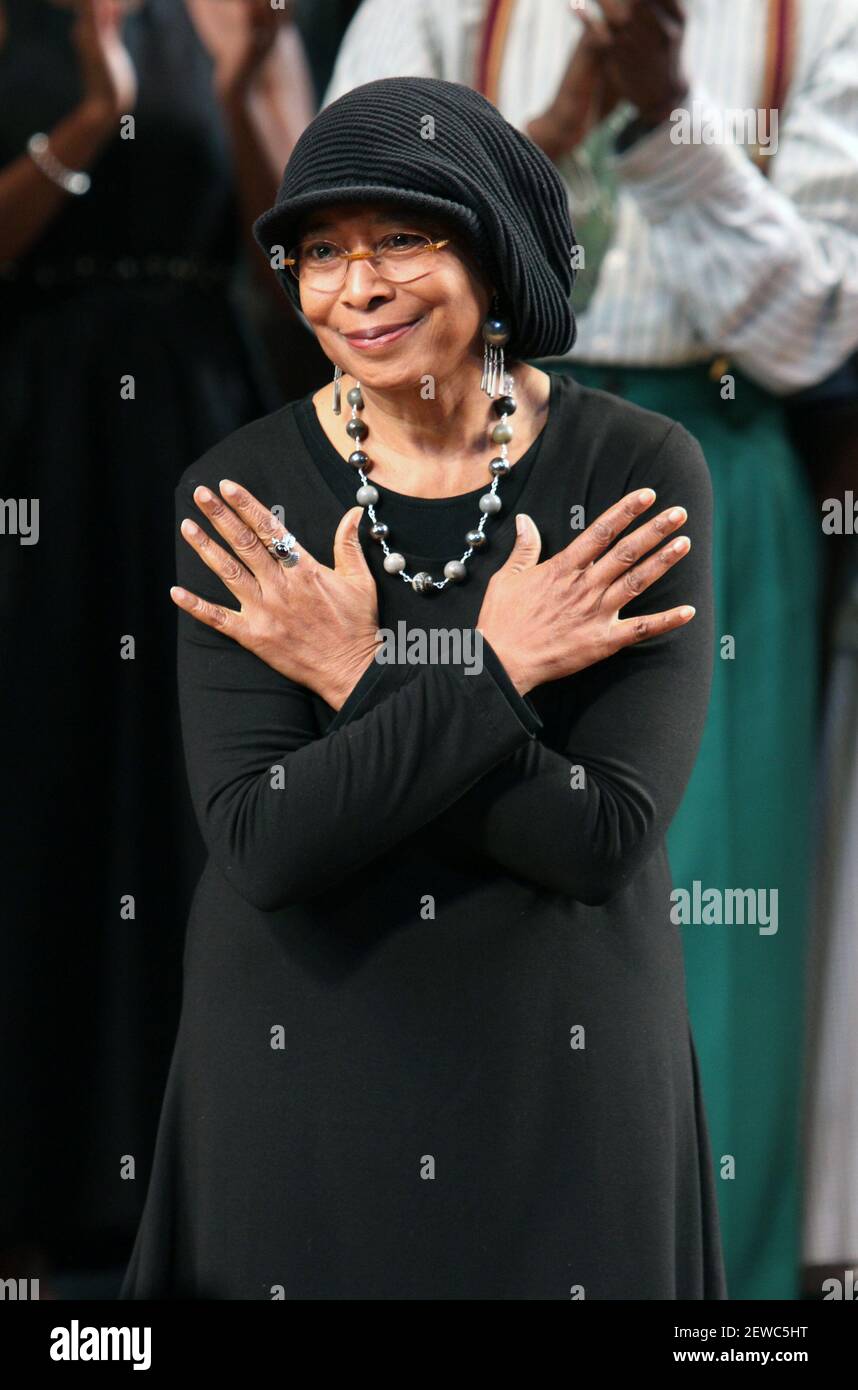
point(283, 549)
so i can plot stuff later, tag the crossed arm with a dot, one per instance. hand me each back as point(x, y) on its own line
point(574, 797)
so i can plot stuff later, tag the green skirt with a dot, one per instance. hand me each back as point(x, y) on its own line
point(746, 819)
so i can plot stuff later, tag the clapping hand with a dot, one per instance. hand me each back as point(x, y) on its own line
point(630, 51)
point(107, 72)
point(240, 35)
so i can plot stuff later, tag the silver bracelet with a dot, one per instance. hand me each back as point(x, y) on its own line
point(73, 181)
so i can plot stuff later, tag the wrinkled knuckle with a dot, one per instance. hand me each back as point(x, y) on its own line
point(602, 531)
point(633, 581)
point(625, 554)
point(245, 539)
point(218, 616)
point(642, 628)
point(232, 570)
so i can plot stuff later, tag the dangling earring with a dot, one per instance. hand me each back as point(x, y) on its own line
point(496, 332)
point(338, 371)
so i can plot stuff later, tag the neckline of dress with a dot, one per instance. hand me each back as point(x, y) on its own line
point(536, 452)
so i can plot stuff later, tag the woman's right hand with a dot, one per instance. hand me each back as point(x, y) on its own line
point(548, 621)
point(314, 624)
point(107, 72)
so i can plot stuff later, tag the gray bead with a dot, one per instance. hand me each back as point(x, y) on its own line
point(455, 569)
point(502, 432)
point(354, 397)
point(422, 583)
point(367, 495)
point(490, 503)
point(394, 562)
point(475, 540)
point(499, 467)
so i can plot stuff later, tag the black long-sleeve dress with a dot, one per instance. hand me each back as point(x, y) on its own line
point(434, 1041)
point(129, 284)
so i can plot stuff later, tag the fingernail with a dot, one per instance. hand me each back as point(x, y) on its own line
point(521, 521)
point(647, 495)
point(228, 487)
point(189, 527)
point(677, 514)
point(688, 611)
point(203, 493)
point(178, 593)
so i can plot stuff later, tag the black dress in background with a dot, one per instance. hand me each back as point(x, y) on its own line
point(132, 279)
point(377, 1089)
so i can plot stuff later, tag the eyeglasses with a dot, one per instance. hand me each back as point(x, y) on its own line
point(399, 256)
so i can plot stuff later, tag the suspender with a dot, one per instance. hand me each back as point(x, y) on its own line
point(492, 42)
point(781, 29)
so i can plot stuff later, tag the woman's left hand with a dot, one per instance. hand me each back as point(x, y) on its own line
point(313, 624)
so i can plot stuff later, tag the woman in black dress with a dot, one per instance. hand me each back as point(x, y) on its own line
point(434, 1040)
point(123, 354)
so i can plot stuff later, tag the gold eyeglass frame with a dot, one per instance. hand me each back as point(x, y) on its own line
point(348, 256)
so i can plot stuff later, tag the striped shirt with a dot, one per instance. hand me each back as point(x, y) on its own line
point(708, 256)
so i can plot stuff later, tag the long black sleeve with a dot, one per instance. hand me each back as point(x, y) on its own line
point(627, 729)
point(285, 813)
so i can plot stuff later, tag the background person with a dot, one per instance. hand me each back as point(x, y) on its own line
point(128, 286)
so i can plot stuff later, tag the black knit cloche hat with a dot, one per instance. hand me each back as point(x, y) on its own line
point(441, 146)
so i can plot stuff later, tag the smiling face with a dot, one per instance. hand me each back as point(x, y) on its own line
point(446, 306)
